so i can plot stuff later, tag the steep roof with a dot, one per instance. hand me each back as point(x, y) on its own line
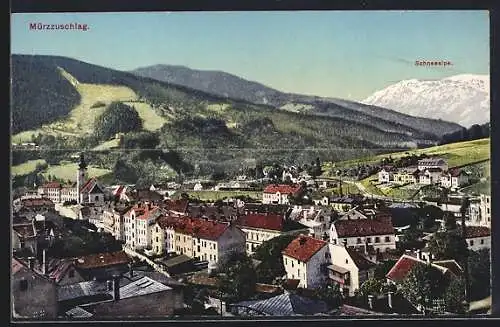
point(304, 247)
point(90, 185)
point(406, 263)
point(381, 224)
point(282, 188)
point(261, 221)
point(100, 260)
point(359, 260)
point(477, 231)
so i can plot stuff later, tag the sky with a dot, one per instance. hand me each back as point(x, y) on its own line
point(344, 54)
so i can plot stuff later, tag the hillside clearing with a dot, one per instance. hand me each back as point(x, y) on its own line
point(67, 171)
point(26, 167)
point(151, 120)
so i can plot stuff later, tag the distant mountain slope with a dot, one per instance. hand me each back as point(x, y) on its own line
point(228, 85)
point(207, 129)
point(464, 99)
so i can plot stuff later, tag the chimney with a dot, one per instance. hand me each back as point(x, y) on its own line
point(130, 270)
point(389, 299)
point(44, 261)
point(116, 287)
point(370, 301)
point(31, 263)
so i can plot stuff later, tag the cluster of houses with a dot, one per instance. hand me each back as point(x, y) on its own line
point(337, 240)
point(428, 171)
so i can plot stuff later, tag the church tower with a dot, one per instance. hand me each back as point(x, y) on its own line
point(81, 177)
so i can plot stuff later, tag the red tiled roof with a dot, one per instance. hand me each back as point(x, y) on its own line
point(201, 228)
point(52, 185)
point(118, 191)
point(304, 247)
point(262, 221)
point(283, 189)
point(402, 268)
point(89, 185)
point(406, 263)
point(36, 202)
point(381, 224)
point(16, 266)
point(477, 231)
point(142, 210)
point(100, 260)
point(176, 205)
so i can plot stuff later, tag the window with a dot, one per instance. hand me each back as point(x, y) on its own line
point(286, 261)
point(327, 255)
point(346, 261)
point(377, 239)
point(292, 265)
point(358, 240)
point(388, 239)
point(156, 238)
point(471, 243)
point(369, 239)
point(157, 229)
point(482, 241)
point(334, 242)
point(298, 272)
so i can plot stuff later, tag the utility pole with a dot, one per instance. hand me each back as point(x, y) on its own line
point(463, 209)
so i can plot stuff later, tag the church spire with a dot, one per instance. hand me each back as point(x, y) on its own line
point(82, 164)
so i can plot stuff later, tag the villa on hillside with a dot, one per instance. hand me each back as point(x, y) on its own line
point(454, 178)
point(278, 194)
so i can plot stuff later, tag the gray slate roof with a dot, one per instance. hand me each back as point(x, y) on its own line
point(286, 304)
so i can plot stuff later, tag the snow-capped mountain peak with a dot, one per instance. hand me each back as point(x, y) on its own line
point(463, 99)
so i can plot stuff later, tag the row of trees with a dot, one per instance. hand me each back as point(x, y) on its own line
point(467, 134)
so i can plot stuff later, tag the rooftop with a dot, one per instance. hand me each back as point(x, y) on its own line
point(406, 263)
point(261, 221)
point(100, 260)
point(304, 247)
point(381, 224)
point(359, 260)
point(282, 188)
point(477, 231)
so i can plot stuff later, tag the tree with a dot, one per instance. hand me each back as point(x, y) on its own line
point(371, 286)
point(330, 294)
point(450, 223)
point(480, 274)
point(269, 253)
point(448, 245)
point(423, 284)
point(428, 215)
point(383, 268)
point(454, 296)
point(117, 118)
point(410, 239)
point(237, 278)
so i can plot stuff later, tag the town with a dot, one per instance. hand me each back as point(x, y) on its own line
point(306, 246)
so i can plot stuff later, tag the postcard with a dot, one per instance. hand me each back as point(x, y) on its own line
point(250, 164)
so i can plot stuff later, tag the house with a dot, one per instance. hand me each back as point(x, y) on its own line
point(454, 178)
point(122, 193)
point(178, 207)
point(279, 193)
point(139, 220)
point(430, 176)
point(478, 237)
point(429, 163)
point(61, 271)
point(199, 238)
point(364, 230)
point(316, 219)
point(485, 210)
point(34, 296)
point(349, 268)
point(36, 205)
point(473, 216)
point(408, 175)
point(386, 174)
point(345, 203)
point(406, 263)
point(306, 258)
point(208, 240)
point(113, 221)
point(83, 191)
point(286, 304)
point(130, 295)
point(259, 228)
point(102, 265)
point(24, 238)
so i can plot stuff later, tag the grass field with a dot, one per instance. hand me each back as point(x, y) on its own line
point(81, 118)
point(107, 145)
point(458, 154)
point(26, 167)
point(220, 195)
point(68, 171)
